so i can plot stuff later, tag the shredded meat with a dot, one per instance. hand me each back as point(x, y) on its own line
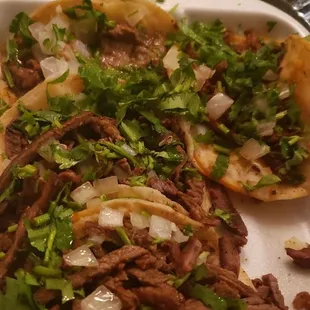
point(178, 169)
point(220, 200)
point(106, 264)
point(192, 304)
point(276, 295)
point(57, 307)
point(128, 298)
point(302, 301)
point(70, 176)
point(229, 254)
point(255, 300)
point(6, 240)
point(36, 209)
point(44, 296)
point(262, 307)
point(31, 150)
point(162, 297)
point(106, 127)
point(28, 76)
point(15, 141)
point(125, 45)
point(252, 40)
point(150, 277)
point(76, 304)
point(224, 290)
point(164, 186)
point(300, 257)
point(185, 260)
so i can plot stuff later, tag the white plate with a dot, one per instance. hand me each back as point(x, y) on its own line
point(270, 224)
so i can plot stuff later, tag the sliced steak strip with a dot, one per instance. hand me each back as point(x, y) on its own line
point(6, 240)
point(128, 298)
point(106, 127)
point(276, 295)
point(166, 187)
point(223, 289)
point(44, 296)
point(262, 307)
point(229, 254)
point(70, 176)
point(192, 304)
point(300, 257)
point(107, 264)
point(220, 200)
point(36, 209)
point(185, 260)
point(15, 141)
point(162, 297)
point(302, 301)
point(151, 277)
point(76, 304)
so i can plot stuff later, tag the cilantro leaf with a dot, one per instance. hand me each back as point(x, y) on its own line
point(225, 216)
point(266, 180)
point(63, 285)
point(11, 51)
point(24, 172)
point(64, 235)
point(220, 167)
point(132, 130)
point(149, 115)
point(20, 25)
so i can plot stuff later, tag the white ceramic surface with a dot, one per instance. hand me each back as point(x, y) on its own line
point(269, 224)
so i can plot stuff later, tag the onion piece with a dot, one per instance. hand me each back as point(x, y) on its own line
point(84, 193)
point(82, 256)
point(139, 221)
point(270, 76)
point(178, 236)
point(135, 17)
point(218, 105)
point(93, 203)
point(201, 129)
point(53, 68)
point(101, 299)
point(106, 186)
point(295, 244)
point(97, 239)
point(110, 217)
point(265, 129)
point(202, 258)
point(160, 227)
point(35, 30)
point(284, 91)
point(120, 173)
point(81, 48)
point(37, 52)
point(202, 73)
point(128, 149)
point(252, 150)
point(171, 60)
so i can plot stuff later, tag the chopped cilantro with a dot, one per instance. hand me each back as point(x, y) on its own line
point(266, 180)
point(123, 235)
point(24, 172)
point(225, 216)
point(220, 167)
point(138, 180)
point(63, 285)
point(20, 26)
point(270, 25)
point(188, 230)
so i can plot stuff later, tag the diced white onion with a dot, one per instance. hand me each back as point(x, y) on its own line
point(81, 256)
point(252, 150)
point(106, 186)
point(81, 48)
point(60, 20)
point(84, 193)
point(202, 73)
point(284, 91)
point(178, 236)
point(97, 239)
point(270, 76)
point(120, 173)
point(110, 217)
point(201, 129)
point(265, 129)
point(35, 30)
point(37, 52)
point(261, 104)
point(202, 258)
point(43, 37)
point(135, 17)
point(128, 149)
point(93, 203)
point(53, 68)
point(218, 105)
point(139, 221)
point(171, 60)
point(160, 228)
point(295, 244)
point(101, 299)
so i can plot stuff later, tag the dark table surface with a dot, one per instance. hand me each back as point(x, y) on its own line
point(299, 9)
